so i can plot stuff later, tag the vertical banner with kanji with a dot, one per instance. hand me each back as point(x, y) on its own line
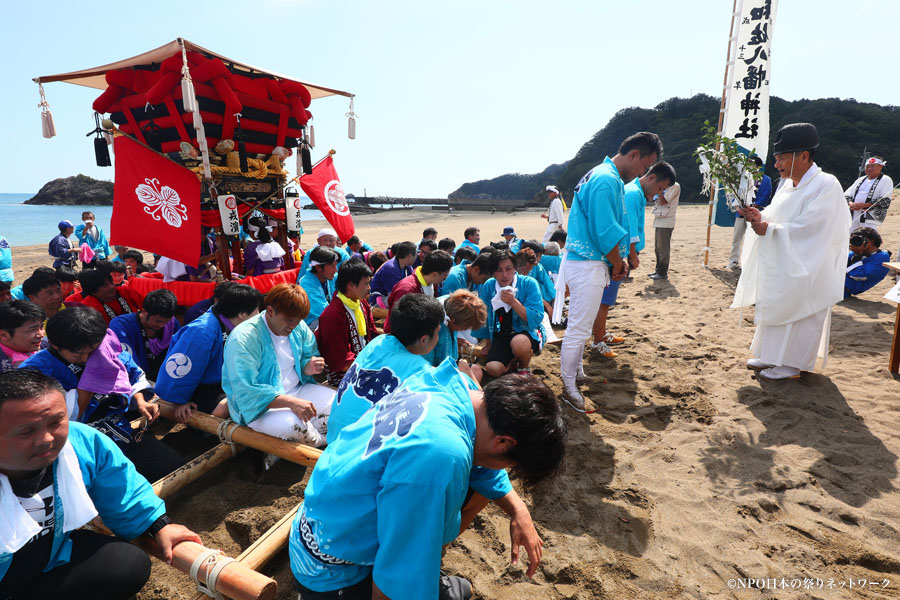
point(747, 102)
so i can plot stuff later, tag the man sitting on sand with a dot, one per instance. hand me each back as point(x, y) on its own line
point(346, 325)
point(21, 332)
point(44, 290)
point(463, 311)
point(398, 267)
point(515, 311)
point(424, 280)
point(146, 335)
point(268, 360)
point(55, 477)
point(318, 282)
point(385, 496)
point(865, 264)
point(467, 275)
point(329, 239)
point(473, 238)
point(100, 293)
point(191, 377)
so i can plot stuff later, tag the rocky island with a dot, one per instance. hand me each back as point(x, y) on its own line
point(79, 190)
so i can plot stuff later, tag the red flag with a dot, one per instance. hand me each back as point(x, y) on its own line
point(325, 190)
point(156, 204)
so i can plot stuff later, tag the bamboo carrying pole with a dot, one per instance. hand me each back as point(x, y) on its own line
point(715, 188)
point(268, 545)
point(193, 470)
point(292, 451)
point(237, 580)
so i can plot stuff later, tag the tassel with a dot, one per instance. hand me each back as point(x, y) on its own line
point(312, 136)
point(299, 161)
point(48, 129)
point(307, 159)
point(242, 148)
point(351, 121)
point(188, 97)
point(101, 151)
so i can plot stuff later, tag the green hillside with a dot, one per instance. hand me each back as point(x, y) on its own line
point(845, 128)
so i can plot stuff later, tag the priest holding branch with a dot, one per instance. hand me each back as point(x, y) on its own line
point(794, 265)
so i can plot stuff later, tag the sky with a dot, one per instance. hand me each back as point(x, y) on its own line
point(446, 92)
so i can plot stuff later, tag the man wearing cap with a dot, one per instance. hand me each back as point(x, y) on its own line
point(554, 214)
point(61, 248)
point(329, 239)
point(794, 266)
point(870, 196)
point(512, 240)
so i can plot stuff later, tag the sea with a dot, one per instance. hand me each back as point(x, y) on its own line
point(28, 224)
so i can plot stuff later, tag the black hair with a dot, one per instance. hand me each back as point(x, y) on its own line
point(812, 154)
point(136, 255)
point(413, 316)
point(482, 262)
point(160, 303)
point(104, 265)
point(142, 268)
point(663, 171)
point(404, 249)
point(524, 408)
point(501, 245)
point(470, 231)
point(240, 298)
point(221, 287)
point(65, 274)
point(75, 328)
point(39, 281)
point(489, 249)
point(464, 253)
point(644, 142)
point(27, 384)
point(533, 245)
point(447, 244)
point(92, 280)
point(429, 243)
point(263, 235)
point(868, 233)
point(351, 271)
point(48, 270)
point(757, 160)
point(117, 266)
point(321, 254)
point(354, 239)
point(4, 286)
point(559, 235)
point(15, 313)
point(429, 231)
point(498, 257)
point(437, 262)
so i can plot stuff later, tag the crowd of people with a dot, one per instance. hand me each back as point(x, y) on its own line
point(373, 355)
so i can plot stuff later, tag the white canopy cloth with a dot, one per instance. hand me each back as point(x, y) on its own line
point(96, 76)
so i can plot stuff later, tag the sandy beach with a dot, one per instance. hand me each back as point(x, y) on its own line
point(691, 476)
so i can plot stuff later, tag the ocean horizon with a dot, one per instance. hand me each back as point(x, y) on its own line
point(30, 225)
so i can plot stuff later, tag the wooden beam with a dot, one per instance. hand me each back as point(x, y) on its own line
point(209, 460)
point(292, 451)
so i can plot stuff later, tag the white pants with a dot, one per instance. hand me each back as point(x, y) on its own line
point(284, 424)
point(794, 344)
point(551, 229)
point(586, 280)
point(737, 240)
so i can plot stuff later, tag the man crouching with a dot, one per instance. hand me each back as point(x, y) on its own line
point(55, 476)
point(385, 497)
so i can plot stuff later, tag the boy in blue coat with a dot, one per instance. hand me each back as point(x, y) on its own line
point(318, 282)
point(55, 476)
point(865, 263)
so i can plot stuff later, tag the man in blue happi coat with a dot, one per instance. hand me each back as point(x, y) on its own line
point(467, 275)
point(148, 333)
point(865, 263)
point(318, 282)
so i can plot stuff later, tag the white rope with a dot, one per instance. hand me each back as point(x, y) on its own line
point(225, 431)
point(214, 561)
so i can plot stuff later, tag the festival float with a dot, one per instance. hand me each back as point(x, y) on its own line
point(201, 140)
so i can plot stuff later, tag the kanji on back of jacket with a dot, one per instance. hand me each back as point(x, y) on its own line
point(232, 124)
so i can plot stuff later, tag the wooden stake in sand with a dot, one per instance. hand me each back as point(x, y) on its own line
point(193, 470)
point(232, 432)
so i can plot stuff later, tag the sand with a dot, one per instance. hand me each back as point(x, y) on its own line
point(692, 473)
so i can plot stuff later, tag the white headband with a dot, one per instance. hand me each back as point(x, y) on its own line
point(330, 232)
point(552, 188)
point(875, 161)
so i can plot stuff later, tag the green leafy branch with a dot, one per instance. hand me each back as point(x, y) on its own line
point(722, 162)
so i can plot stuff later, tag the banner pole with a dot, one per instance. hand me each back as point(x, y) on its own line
point(713, 191)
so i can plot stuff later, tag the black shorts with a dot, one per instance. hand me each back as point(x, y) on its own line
point(500, 350)
point(357, 591)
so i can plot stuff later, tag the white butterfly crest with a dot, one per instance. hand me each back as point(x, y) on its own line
point(161, 200)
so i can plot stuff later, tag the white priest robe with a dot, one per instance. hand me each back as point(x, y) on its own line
point(795, 272)
point(554, 219)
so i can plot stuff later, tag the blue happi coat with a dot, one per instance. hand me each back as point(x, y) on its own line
point(598, 221)
point(195, 357)
point(318, 299)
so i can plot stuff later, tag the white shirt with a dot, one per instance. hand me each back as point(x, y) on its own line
point(664, 214)
point(555, 213)
point(290, 381)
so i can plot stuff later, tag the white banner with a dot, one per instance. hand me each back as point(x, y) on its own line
point(747, 98)
point(229, 214)
point(292, 218)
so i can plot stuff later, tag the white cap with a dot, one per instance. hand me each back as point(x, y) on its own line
point(330, 232)
point(552, 188)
